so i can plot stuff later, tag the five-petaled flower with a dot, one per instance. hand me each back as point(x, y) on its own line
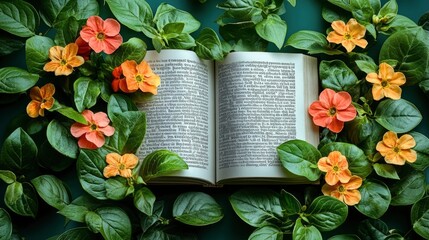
point(91, 135)
point(346, 192)
point(332, 110)
point(120, 165)
point(63, 59)
point(349, 35)
point(386, 83)
point(140, 76)
point(102, 35)
point(336, 167)
point(119, 82)
point(41, 99)
point(397, 151)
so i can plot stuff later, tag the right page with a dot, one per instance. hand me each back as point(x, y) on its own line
point(261, 102)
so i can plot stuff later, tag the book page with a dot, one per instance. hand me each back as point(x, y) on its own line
point(261, 102)
point(180, 117)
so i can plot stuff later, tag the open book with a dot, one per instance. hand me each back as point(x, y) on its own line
point(225, 119)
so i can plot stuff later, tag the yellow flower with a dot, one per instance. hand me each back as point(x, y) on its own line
point(336, 167)
point(41, 99)
point(120, 165)
point(397, 151)
point(386, 83)
point(348, 35)
point(63, 60)
point(346, 192)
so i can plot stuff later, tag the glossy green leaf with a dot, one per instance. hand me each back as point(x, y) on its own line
point(300, 158)
point(397, 24)
point(130, 129)
point(79, 207)
point(69, 31)
point(115, 223)
point(208, 45)
point(133, 49)
point(196, 209)
point(424, 21)
point(344, 237)
point(273, 29)
point(389, 10)
point(362, 10)
point(119, 103)
point(56, 12)
point(304, 232)
point(61, 139)
point(344, 4)
point(312, 41)
point(337, 76)
point(240, 10)
point(166, 13)
point(50, 158)
point(399, 116)
point(289, 203)
point(148, 221)
point(133, 14)
point(68, 112)
point(37, 53)
point(367, 66)
point(52, 190)
point(116, 188)
point(5, 225)
point(375, 198)
point(144, 200)
point(9, 45)
point(267, 233)
point(326, 213)
point(420, 217)
point(422, 149)
point(161, 163)
point(373, 229)
point(19, 152)
point(93, 221)
point(7, 176)
point(386, 170)
point(182, 41)
point(409, 189)
point(86, 92)
point(257, 207)
point(18, 18)
point(81, 233)
point(16, 80)
point(21, 199)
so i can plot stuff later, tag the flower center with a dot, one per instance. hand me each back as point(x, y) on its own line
point(347, 36)
point(63, 62)
point(139, 78)
point(93, 127)
point(396, 149)
point(121, 166)
point(332, 111)
point(384, 83)
point(100, 36)
point(341, 189)
point(335, 168)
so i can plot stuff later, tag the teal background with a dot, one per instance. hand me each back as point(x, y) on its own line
point(305, 16)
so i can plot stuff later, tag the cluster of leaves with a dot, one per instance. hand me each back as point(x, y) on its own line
point(37, 151)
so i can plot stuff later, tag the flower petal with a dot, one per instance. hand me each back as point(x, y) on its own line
point(356, 30)
point(406, 141)
point(95, 137)
point(336, 125)
point(339, 27)
point(110, 171)
point(373, 78)
point(33, 109)
point(76, 61)
point(107, 130)
point(390, 138)
point(352, 197)
point(113, 159)
point(347, 114)
point(341, 100)
point(100, 119)
point(354, 183)
point(324, 165)
point(84, 143)
point(111, 27)
point(130, 160)
point(393, 92)
point(70, 51)
point(334, 37)
point(144, 87)
point(129, 68)
point(377, 92)
point(344, 176)
point(331, 178)
point(322, 119)
point(398, 78)
point(51, 66)
point(79, 129)
point(408, 155)
point(326, 97)
point(348, 45)
point(112, 43)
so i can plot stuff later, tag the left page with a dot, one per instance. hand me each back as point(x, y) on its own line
point(180, 118)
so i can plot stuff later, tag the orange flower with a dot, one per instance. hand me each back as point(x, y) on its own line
point(63, 60)
point(336, 167)
point(102, 35)
point(140, 77)
point(120, 165)
point(41, 99)
point(348, 35)
point(386, 82)
point(397, 151)
point(332, 110)
point(119, 82)
point(346, 192)
point(91, 135)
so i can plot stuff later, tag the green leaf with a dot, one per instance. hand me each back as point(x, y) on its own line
point(16, 80)
point(61, 139)
point(362, 10)
point(375, 198)
point(367, 66)
point(144, 200)
point(409, 48)
point(56, 12)
point(397, 24)
point(399, 116)
point(133, 49)
point(326, 213)
point(52, 190)
point(344, 4)
point(344, 237)
point(196, 209)
point(373, 229)
point(257, 207)
point(409, 189)
point(81, 233)
point(386, 170)
point(267, 233)
point(9, 45)
point(420, 217)
point(51, 159)
point(130, 129)
point(90, 166)
point(166, 14)
point(424, 21)
point(119, 103)
point(337, 76)
point(422, 149)
point(303, 232)
point(18, 18)
point(21, 199)
point(208, 45)
point(7, 176)
point(312, 41)
point(37, 53)
point(116, 188)
point(272, 29)
point(150, 220)
point(300, 158)
point(289, 203)
point(19, 152)
point(79, 207)
point(133, 14)
point(161, 163)
point(5, 225)
point(115, 223)
point(93, 221)
point(68, 112)
point(69, 31)
point(86, 92)
point(240, 10)
point(183, 41)
point(389, 10)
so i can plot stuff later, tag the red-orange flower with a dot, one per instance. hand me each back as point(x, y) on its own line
point(140, 77)
point(336, 167)
point(119, 82)
point(120, 165)
point(102, 35)
point(346, 192)
point(332, 110)
point(41, 99)
point(348, 35)
point(397, 151)
point(386, 83)
point(84, 49)
point(91, 135)
point(63, 60)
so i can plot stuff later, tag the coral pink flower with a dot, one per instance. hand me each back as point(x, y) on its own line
point(336, 167)
point(84, 49)
point(140, 76)
point(102, 35)
point(332, 110)
point(119, 82)
point(91, 135)
point(120, 165)
point(346, 192)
